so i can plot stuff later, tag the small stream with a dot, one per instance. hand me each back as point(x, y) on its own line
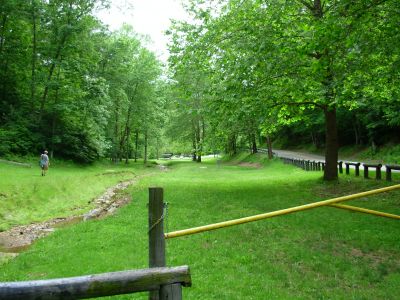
point(20, 238)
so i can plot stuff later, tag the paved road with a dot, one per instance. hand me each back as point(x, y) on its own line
point(299, 155)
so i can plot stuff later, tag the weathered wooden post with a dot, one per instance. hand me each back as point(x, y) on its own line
point(156, 232)
point(357, 165)
point(157, 245)
point(340, 163)
point(388, 173)
point(347, 168)
point(365, 171)
point(378, 174)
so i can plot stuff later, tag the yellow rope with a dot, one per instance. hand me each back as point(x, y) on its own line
point(277, 213)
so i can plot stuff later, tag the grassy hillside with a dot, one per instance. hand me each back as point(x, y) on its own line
point(67, 189)
point(323, 253)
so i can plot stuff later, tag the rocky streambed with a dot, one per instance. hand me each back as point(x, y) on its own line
point(21, 237)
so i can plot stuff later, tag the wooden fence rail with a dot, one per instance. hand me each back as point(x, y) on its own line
point(377, 170)
point(99, 285)
point(389, 169)
point(162, 283)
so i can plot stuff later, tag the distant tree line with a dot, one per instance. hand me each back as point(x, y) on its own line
point(69, 85)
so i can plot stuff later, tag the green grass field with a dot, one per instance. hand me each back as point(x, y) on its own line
point(325, 253)
point(67, 189)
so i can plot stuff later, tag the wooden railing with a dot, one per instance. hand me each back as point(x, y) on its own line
point(309, 165)
point(163, 283)
point(99, 285)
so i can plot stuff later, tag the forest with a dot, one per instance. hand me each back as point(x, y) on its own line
point(241, 75)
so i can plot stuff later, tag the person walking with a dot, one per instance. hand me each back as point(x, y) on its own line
point(44, 162)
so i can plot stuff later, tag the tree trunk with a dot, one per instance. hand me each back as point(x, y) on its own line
point(199, 142)
point(50, 76)
point(34, 49)
point(269, 146)
point(2, 34)
point(115, 137)
point(128, 135)
point(194, 154)
point(145, 147)
point(253, 144)
point(136, 144)
point(331, 144)
point(231, 149)
point(54, 120)
point(158, 148)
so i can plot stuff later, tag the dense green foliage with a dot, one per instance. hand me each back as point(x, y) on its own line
point(241, 74)
point(323, 253)
point(70, 85)
point(325, 72)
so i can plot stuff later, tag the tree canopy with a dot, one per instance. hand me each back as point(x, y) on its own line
point(241, 74)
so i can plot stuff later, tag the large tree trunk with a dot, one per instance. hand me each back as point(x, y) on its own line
point(331, 145)
point(269, 146)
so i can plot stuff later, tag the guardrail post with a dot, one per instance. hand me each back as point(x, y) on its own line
point(388, 173)
point(157, 245)
point(340, 164)
point(365, 172)
point(378, 174)
point(357, 169)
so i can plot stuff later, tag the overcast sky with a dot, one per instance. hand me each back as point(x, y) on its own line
point(149, 17)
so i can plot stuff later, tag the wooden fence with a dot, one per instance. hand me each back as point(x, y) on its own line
point(309, 165)
point(163, 283)
point(99, 285)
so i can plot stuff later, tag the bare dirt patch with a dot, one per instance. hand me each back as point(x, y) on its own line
point(250, 165)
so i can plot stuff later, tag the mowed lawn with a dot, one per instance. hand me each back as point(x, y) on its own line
point(324, 253)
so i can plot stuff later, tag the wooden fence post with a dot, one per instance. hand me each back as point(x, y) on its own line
point(157, 245)
point(365, 171)
point(388, 173)
point(357, 169)
point(378, 174)
point(156, 233)
point(340, 164)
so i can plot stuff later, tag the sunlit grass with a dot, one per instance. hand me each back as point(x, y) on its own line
point(325, 253)
point(67, 189)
